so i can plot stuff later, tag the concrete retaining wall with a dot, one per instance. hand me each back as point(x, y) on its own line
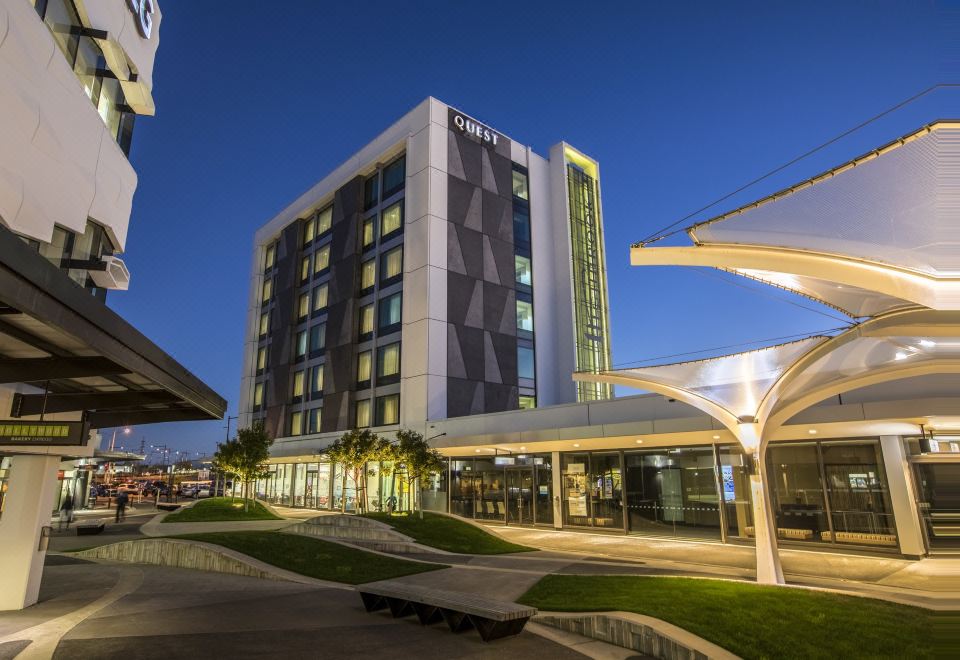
point(637, 632)
point(184, 554)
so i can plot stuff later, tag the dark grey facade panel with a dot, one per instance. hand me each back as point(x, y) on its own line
point(481, 300)
point(285, 274)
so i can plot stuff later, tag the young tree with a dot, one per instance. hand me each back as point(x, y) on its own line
point(253, 451)
point(226, 461)
point(353, 450)
point(419, 461)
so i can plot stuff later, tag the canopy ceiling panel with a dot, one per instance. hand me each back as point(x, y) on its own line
point(851, 300)
point(736, 383)
point(899, 205)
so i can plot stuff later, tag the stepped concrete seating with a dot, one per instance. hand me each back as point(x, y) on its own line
point(356, 530)
point(493, 619)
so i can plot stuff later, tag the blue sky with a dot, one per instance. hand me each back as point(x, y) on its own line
point(679, 102)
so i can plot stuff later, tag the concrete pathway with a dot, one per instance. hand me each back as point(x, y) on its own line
point(93, 610)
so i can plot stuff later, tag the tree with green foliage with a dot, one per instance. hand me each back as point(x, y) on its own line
point(353, 450)
point(225, 460)
point(418, 461)
point(246, 457)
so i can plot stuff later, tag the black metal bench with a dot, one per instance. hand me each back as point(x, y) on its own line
point(493, 619)
point(89, 529)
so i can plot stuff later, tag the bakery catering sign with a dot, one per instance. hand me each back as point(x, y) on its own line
point(20, 433)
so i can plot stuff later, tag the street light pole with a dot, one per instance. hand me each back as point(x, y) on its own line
point(228, 426)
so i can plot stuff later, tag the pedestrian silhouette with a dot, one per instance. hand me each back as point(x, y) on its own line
point(66, 511)
point(122, 498)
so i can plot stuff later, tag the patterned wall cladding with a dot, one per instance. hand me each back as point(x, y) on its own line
point(481, 301)
point(338, 371)
point(285, 274)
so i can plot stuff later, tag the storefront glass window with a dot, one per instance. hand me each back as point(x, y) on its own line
point(797, 491)
point(299, 484)
point(735, 489)
point(462, 488)
point(857, 486)
point(576, 504)
point(673, 492)
point(489, 480)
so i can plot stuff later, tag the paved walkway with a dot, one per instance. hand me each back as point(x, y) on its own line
point(930, 582)
point(111, 611)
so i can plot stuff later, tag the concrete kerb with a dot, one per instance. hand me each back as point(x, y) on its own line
point(637, 632)
point(197, 555)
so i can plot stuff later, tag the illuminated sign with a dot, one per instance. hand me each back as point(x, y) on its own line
point(143, 11)
point(471, 127)
point(19, 433)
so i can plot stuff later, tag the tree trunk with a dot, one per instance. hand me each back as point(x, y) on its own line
point(343, 489)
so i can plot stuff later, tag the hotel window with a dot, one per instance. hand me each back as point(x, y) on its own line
point(391, 266)
point(320, 297)
point(316, 380)
point(321, 261)
point(368, 274)
point(391, 220)
point(520, 185)
point(258, 395)
point(301, 343)
point(393, 176)
point(261, 358)
point(264, 324)
point(389, 313)
point(318, 338)
point(324, 220)
point(309, 231)
point(366, 322)
point(271, 256)
point(524, 272)
point(371, 191)
point(527, 402)
point(314, 417)
point(296, 423)
point(363, 414)
point(303, 306)
point(525, 364)
point(367, 232)
point(524, 316)
point(388, 410)
point(297, 393)
point(267, 289)
point(521, 228)
point(388, 364)
point(363, 369)
point(305, 269)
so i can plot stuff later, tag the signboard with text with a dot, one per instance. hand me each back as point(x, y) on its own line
point(20, 433)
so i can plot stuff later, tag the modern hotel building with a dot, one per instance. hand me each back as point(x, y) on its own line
point(75, 75)
point(445, 270)
point(448, 280)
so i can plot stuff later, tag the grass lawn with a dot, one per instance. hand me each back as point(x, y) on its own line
point(751, 620)
point(218, 509)
point(313, 557)
point(448, 534)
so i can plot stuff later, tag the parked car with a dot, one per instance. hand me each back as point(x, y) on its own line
point(188, 491)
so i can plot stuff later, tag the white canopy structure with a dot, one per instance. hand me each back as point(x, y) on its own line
point(877, 238)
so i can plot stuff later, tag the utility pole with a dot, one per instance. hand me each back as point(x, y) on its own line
point(228, 426)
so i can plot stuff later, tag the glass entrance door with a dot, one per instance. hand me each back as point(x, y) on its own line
point(939, 486)
point(520, 496)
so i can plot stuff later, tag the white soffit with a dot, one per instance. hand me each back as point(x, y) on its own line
point(851, 300)
point(736, 382)
point(898, 205)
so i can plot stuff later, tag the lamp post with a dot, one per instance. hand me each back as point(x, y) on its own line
point(109, 471)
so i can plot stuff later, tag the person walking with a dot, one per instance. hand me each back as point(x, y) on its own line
point(66, 511)
point(122, 498)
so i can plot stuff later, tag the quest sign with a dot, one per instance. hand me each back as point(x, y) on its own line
point(143, 12)
point(474, 128)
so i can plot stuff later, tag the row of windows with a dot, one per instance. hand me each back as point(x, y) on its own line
point(386, 412)
point(526, 365)
point(392, 176)
point(317, 225)
point(89, 65)
point(390, 310)
point(388, 366)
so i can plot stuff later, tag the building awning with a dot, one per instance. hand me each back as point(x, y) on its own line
point(875, 235)
point(77, 355)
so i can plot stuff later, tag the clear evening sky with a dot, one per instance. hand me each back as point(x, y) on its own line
point(680, 102)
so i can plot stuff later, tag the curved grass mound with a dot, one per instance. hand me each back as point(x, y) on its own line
point(752, 620)
point(313, 557)
point(219, 509)
point(448, 534)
